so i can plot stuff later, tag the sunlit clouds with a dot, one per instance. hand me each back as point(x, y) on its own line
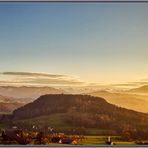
point(38, 79)
point(58, 80)
point(133, 84)
point(65, 44)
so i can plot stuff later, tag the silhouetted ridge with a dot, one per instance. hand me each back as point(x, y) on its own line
point(53, 103)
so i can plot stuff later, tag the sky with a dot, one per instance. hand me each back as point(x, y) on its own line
point(100, 43)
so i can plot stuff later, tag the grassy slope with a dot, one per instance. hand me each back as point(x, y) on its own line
point(57, 122)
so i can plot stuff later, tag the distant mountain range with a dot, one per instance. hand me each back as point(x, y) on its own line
point(14, 97)
point(9, 107)
point(142, 89)
point(125, 99)
point(75, 111)
point(27, 92)
point(9, 104)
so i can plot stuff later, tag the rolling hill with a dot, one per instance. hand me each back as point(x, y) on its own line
point(80, 111)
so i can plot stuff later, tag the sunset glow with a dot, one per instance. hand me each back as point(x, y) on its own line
point(96, 43)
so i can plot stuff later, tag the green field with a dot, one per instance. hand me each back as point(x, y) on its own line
point(100, 140)
point(57, 121)
point(95, 140)
point(87, 141)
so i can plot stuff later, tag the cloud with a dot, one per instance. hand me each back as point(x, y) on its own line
point(137, 83)
point(123, 84)
point(141, 81)
point(45, 79)
point(32, 74)
point(27, 78)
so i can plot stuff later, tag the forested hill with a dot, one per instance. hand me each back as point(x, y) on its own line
point(84, 111)
point(50, 104)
